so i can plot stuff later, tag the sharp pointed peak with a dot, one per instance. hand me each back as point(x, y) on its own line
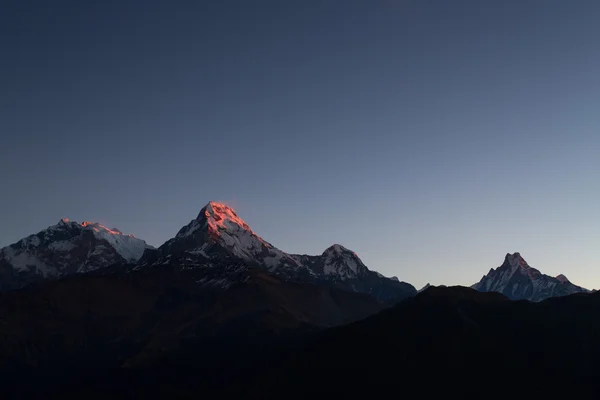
point(515, 259)
point(221, 215)
point(214, 218)
point(216, 206)
point(427, 286)
point(516, 254)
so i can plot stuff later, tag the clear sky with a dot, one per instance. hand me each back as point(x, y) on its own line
point(431, 137)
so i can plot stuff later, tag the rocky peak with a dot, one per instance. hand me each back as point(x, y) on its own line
point(427, 286)
point(516, 279)
point(515, 260)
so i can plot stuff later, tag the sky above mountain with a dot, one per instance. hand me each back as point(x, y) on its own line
point(431, 137)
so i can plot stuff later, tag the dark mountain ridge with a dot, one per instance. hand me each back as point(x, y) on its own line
point(125, 320)
point(449, 340)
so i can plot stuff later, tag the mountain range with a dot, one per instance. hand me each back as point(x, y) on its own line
point(87, 292)
point(217, 242)
point(219, 311)
point(214, 244)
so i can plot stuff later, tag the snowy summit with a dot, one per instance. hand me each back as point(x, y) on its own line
point(64, 249)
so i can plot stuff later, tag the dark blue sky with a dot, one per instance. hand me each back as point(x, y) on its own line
point(431, 137)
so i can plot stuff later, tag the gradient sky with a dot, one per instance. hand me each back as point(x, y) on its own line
point(431, 137)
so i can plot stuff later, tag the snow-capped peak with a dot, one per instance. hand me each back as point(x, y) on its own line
point(219, 223)
point(64, 249)
point(221, 216)
point(217, 217)
point(128, 246)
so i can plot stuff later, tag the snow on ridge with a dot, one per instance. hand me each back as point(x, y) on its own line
point(128, 246)
point(62, 246)
point(219, 216)
point(188, 229)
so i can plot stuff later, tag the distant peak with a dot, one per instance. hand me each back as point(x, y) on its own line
point(515, 260)
point(563, 278)
point(63, 220)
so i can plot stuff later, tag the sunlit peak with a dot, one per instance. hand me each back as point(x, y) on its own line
point(99, 227)
point(222, 217)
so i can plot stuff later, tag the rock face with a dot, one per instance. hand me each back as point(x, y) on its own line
point(518, 281)
point(427, 286)
point(64, 249)
point(219, 235)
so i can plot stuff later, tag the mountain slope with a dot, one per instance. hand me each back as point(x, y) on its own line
point(518, 281)
point(466, 341)
point(470, 344)
point(64, 249)
point(218, 233)
point(137, 319)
